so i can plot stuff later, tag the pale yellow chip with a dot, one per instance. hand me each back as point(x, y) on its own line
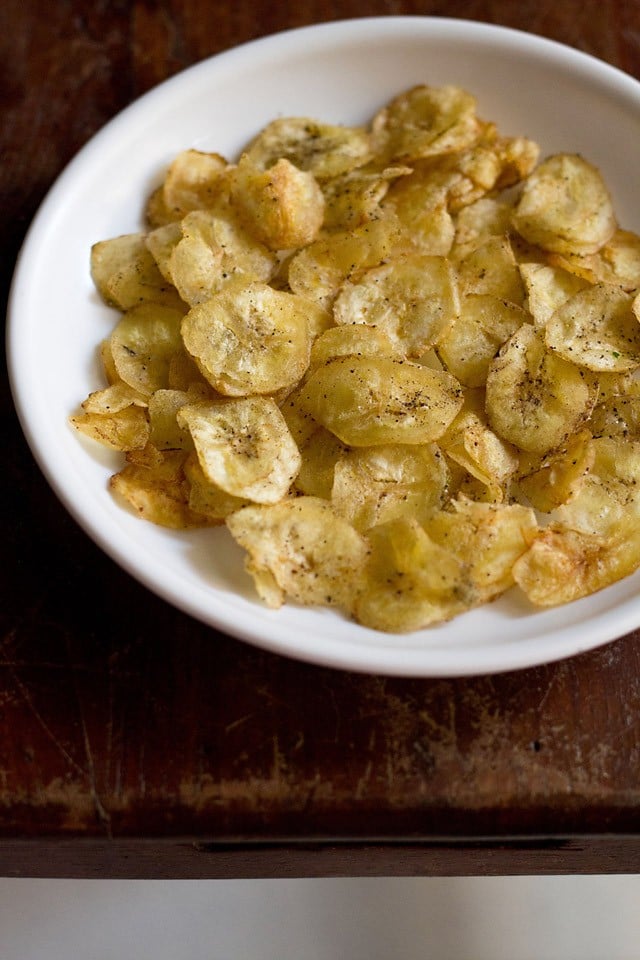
point(142, 344)
point(564, 565)
point(491, 270)
point(372, 485)
point(473, 445)
point(165, 434)
point(355, 197)
point(424, 121)
point(548, 288)
point(413, 299)
point(159, 492)
point(126, 274)
point(556, 479)
point(244, 447)
point(535, 399)
point(565, 206)
point(319, 453)
point(323, 149)
point(125, 429)
point(488, 539)
point(598, 328)
point(410, 581)
point(485, 322)
point(194, 181)
point(205, 498)
point(282, 206)
point(318, 271)
point(608, 500)
point(301, 550)
point(250, 339)
point(353, 340)
point(113, 399)
point(480, 221)
point(370, 401)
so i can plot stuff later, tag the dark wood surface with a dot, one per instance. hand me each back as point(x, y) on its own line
point(136, 742)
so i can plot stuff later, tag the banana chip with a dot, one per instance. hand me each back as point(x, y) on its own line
point(300, 549)
point(250, 339)
point(413, 299)
point(535, 399)
point(244, 447)
point(597, 328)
point(371, 401)
point(565, 206)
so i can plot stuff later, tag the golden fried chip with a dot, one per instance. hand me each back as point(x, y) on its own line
point(547, 289)
point(319, 454)
point(323, 149)
point(282, 206)
point(491, 270)
point(485, 322)
point(354, 198)
point(244, 447)
point(597, 328)
point(424, 121)
point(535, 398)
point(413, 299)
point(353, 340)
point(113, 399)
point(368, 401)
point(125, 273)
point(194, 181)
point(126, 429)
point(318, 271)
point(250, 339)
point(372, 485)
point(555, 479)
point(205, 498)
point(488, 539)
point(142, 344)
point(473, 445)
point(159, 492)
point(564, 565)
point(302, 550)
point(410, 581)
point(565, 206)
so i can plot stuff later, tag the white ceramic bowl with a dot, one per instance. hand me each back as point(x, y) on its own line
point(337, 72)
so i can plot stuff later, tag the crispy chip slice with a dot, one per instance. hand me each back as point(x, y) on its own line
point(142, 344)
point(485, 322)
point(488, 539)
point(250, 339)
point(126, 274)
point(302, 550)
point(473, 445)
point(319, 453)
point(159, 492)
point(165, 434)
point(244, 447)
point(491, 269)
point(355, 197)
point(555, 479)
point(113, 399)
point(410, 581)
point(194, 181)
point(367, 401)
point(424, 121)
point(372, 485)
point(126, 429)
point(565, 206)
point(548, 288)
point(282, 206)
point(414, 299)
point(535, 399)
point(486, 218)
point(564, 565)
point(353, 340)
point(207, 499)
point(597, 328)
point(608, 500)
point(323, 149)
point(318, 271)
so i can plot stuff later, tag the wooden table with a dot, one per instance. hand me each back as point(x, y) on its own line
point(135, 742)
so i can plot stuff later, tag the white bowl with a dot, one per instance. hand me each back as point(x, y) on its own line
point(337, 72)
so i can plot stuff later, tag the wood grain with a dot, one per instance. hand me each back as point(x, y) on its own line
point(135, 741)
